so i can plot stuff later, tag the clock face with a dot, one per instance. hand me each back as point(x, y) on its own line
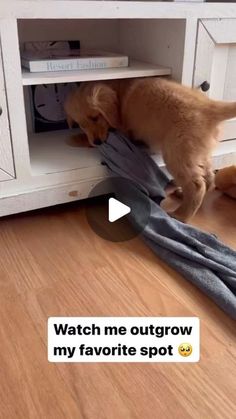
point(49, 100)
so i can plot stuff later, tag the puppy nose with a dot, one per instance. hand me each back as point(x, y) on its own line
point(97, 142)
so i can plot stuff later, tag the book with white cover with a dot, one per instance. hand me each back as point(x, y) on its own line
point(71, 60)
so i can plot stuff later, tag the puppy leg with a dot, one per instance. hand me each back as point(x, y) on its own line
point(188, 175)
point(194, 190)
point(173, 196)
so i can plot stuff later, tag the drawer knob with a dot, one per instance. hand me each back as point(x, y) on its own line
point(205, 86)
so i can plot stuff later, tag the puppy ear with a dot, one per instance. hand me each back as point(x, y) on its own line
point(104, 99)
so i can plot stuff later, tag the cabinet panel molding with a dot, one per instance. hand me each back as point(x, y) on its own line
point(7, 170)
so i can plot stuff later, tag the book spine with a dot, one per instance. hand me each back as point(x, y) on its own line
point(77, 64)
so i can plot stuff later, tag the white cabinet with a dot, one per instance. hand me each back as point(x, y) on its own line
point(216, 63)
point(7, 171)
point(195, 42)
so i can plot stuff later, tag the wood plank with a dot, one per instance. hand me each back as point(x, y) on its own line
point(52, 264)
point(30, 388)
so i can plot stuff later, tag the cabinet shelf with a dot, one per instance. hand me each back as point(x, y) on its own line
point(135, 69)
point(51, 153)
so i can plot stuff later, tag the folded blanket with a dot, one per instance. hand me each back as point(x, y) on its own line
point(200, 257)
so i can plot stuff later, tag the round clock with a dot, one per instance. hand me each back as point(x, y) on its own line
point(49, 100)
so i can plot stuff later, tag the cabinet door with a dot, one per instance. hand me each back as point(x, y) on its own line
point(7, 171)
point(215, 63)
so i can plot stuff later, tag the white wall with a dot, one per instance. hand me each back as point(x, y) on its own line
point(91, 33)
point(155, 41)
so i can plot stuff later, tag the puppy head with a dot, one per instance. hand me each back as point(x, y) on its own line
point(94, 106)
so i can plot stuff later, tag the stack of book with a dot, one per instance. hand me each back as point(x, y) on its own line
point(71, 60)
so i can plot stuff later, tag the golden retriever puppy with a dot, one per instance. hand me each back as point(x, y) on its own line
point(180, 122)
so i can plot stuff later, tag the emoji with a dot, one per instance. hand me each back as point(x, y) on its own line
point(185, 349)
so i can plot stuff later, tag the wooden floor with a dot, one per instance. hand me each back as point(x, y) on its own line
point(52, 264)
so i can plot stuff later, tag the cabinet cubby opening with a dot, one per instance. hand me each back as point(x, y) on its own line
point(155, 48)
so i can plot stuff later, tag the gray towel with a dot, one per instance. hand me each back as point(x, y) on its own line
point(200, 257)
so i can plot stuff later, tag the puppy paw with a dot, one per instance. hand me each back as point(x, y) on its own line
point(178, 193)
point(173, 190)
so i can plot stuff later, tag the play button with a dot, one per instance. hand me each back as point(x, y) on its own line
point(116, 210)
